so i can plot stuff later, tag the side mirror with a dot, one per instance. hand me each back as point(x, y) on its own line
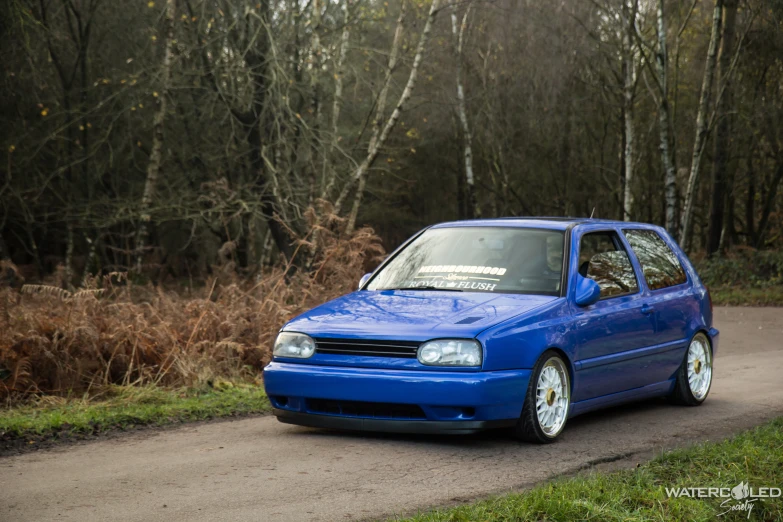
point(587, 291)
point(363, 280)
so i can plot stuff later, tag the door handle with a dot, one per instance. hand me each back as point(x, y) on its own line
point(647, 309)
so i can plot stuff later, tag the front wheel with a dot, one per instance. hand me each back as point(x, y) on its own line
point(547, 401)
point(694, 378)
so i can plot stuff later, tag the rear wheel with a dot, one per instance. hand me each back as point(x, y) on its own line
point(547, 401)
point(694, 378)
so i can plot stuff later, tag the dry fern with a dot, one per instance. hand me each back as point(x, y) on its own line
point(111, 332)
point(88, 293)
point(47, 290)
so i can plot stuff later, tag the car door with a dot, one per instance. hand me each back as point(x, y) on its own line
point(609, 333)
point(671, 297)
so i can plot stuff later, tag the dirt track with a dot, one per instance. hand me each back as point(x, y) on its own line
point(259, 469)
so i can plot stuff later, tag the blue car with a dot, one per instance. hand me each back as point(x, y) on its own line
point(519, 323)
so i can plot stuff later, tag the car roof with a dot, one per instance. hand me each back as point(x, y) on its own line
point(550, 223)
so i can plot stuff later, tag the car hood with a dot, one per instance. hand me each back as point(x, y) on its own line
point(416, 315)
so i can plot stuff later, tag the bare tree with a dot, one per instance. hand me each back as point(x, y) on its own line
point(156, 156)
point(337, 102)
point(701, 126)
point(723, 130)
point(372, 154)
point(379, 114)
point(660, 94)
point(79, 20)
point(271, 105)
point(629, 91)
point(473, 209)
point(769, 203)
point(664, 122)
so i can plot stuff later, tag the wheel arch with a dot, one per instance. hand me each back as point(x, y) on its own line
point(701, 330)
point(569, 363)
point(706, 333)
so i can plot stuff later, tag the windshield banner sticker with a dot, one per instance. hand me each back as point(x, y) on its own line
point(464, 269)
point(462, 277)
point(460, 285)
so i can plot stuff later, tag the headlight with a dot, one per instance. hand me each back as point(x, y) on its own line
point(450, 352)
point(291, 344)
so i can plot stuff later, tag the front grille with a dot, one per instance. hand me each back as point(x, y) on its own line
point(404, 349)
point(367, 410)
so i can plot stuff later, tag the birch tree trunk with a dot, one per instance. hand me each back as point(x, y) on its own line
point(380, 109)
point(156, 155)
point(266, 250)
point(701, 127)
point(372, 154)
point(723, 129)
point(473, 209)
point(628, 100)
point(330, 171)
point(664, 123)
point(329, 168)
point(91, 255)
point(315, 68)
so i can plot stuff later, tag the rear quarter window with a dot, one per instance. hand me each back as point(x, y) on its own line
point(660, 264)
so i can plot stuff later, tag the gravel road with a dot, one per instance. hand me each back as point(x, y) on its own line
point(259, 469)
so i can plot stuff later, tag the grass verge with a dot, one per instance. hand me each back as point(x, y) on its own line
point(51, 419)
point(754, 457)
point(747, 296)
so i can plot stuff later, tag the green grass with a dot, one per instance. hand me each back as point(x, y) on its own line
point(747, 296)
point(123, 408)
point(755, 457)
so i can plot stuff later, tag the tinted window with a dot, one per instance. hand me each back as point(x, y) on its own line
point(660, 265)
point(603, 259)
point(478, 259)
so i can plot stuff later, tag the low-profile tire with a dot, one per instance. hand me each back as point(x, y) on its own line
point(694, 377)
point(547, 401)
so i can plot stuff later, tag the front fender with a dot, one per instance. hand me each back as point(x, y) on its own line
point(518, 342)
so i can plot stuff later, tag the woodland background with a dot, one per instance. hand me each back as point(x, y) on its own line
point(181, 176)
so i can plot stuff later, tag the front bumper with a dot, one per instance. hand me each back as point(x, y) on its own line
point(442, 401)
point(385, 425)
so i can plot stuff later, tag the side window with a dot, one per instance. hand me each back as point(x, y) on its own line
point(661, 267)
point(603, 259)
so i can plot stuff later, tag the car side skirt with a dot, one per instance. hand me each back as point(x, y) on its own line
point(660, 389)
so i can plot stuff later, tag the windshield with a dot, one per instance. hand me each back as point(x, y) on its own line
point(478, 259)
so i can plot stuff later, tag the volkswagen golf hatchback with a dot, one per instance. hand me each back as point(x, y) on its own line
point(520, 323)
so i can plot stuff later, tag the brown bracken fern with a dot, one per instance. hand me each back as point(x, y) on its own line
point(57, 342)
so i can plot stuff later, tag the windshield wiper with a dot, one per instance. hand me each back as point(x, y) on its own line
point(426, 288)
